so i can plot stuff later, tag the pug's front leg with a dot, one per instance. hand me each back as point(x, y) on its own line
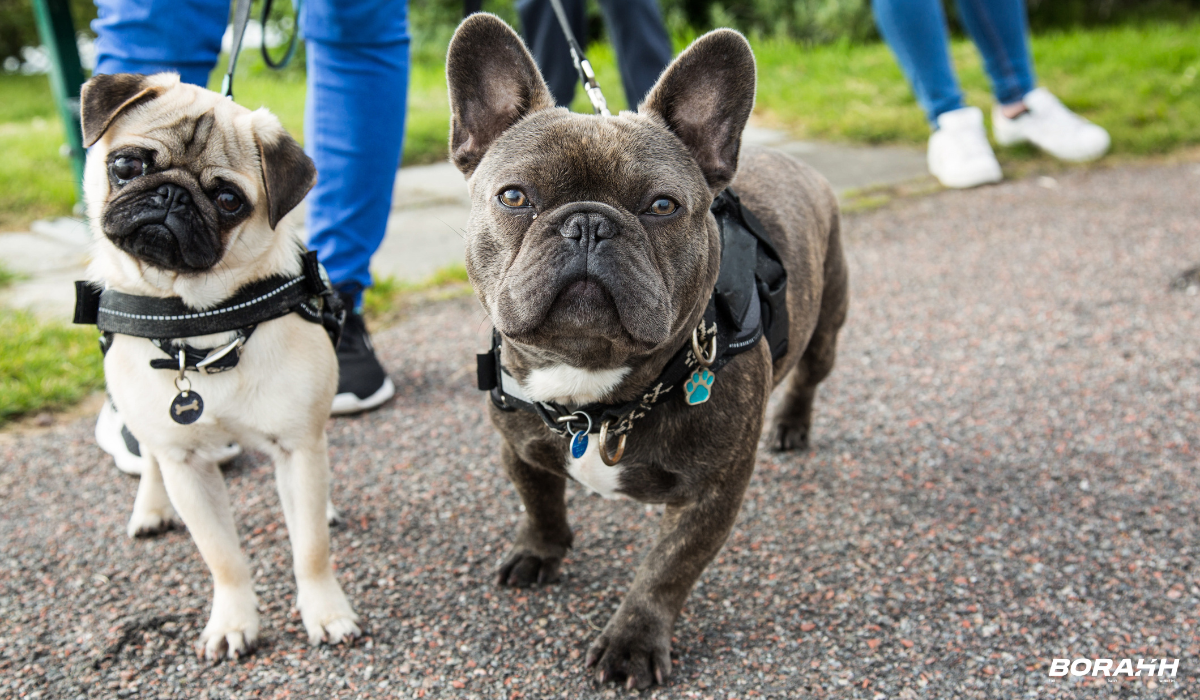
point(152, 510)
point(635, 646)
point(197, 490)
point(544, 536)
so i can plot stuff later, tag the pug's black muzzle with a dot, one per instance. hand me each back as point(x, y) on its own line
point(166, 225)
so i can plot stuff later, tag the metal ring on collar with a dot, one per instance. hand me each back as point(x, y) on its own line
point(578, 415)
point(712, 349)
point(611, 461)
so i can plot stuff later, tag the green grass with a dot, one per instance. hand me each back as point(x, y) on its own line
point(386, 297)
point(1138, 81)
point(43, 365)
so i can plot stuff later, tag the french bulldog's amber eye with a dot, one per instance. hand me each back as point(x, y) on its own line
point(514, 198)
point(125, 169)
point(228, 201)
point(662, 207)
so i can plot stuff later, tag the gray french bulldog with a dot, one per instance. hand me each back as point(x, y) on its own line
point(592, 248)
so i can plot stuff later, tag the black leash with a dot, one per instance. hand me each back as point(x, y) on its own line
point(586, 75)
point(241, 17)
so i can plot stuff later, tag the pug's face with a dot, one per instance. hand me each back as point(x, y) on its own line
point(176, 173)
point(590, 239)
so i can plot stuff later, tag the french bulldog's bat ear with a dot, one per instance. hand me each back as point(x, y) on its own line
point(705, 97)
point(104, 97)
point(493, 83)
point(288, 172)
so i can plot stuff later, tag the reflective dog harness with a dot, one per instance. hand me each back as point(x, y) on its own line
point(748, 303)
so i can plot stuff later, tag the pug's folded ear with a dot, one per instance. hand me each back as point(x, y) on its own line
point(288, 172)
point(105, 97)
point(705, 97)
point(493, 83)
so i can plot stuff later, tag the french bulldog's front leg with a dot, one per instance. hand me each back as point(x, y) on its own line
point(198, 492)
point(152, 510)
point(635, 646)
point(302, 476)
point(543, 537)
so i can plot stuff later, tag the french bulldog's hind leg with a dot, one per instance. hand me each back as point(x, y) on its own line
point(152, 510)
point(544, 536)
point(302, 477)
point(198, 491)
point(793, 421)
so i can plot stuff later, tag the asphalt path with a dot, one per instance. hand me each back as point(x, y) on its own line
point(1004, 472)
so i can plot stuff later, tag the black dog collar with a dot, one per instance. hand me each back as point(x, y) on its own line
point(165, 320)
point(748, 303)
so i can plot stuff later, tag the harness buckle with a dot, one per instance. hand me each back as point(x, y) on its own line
point(216, 355)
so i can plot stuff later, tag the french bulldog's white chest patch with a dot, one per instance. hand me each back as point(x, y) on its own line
point(592, 472)
point(567, 384)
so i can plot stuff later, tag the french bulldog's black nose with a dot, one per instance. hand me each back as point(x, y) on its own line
point(588, 227)
point(171, 195)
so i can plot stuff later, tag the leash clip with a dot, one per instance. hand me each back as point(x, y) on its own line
point(212, 357)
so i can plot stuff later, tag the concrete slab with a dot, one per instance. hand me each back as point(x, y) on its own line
point(847, 167)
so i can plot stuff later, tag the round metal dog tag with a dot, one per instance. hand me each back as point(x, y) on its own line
point(187, 407)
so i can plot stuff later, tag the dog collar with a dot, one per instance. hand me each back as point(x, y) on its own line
point(747, 304)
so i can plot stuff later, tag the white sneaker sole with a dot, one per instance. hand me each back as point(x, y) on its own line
point(347, 403)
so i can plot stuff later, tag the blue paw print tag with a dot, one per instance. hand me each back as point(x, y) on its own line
point(699, 388)
point(579, 444)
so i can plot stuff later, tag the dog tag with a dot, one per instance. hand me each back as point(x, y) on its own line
point(187, 407)
point(698, 389)
point(579, 444)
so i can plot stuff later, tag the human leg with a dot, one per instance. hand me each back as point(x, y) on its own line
point(917, 34)
point(641, 42)
point(544, 36)
point(154, 36)
point(354, 128)
point(1000, 30)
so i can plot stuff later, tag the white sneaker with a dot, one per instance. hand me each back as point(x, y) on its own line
point(114, 438)
point(1051, 127)
point(959, 153)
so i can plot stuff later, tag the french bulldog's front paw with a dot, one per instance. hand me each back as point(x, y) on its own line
point(788, 437)
point(524, 568)
point(232, 629)
point(631, 654)
point(147, 522)
point(327, 614)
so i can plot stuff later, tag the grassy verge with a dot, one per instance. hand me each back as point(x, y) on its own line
point(43, 366)
point(386, 299)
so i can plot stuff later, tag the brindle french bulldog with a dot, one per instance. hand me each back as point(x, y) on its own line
point(592, 248)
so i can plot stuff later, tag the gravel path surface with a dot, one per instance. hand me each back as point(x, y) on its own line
point(1004, 472)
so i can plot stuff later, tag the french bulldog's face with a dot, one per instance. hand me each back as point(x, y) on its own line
point(176, 174)
point(590, 238)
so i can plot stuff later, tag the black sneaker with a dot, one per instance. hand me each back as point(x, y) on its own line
point(362, 382)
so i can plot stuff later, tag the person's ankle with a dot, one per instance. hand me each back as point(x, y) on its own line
point(1013, 110)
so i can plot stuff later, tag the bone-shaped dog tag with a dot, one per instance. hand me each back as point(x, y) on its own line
point(187, 407)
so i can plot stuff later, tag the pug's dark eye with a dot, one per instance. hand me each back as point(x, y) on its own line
point(514, 198)
point(662, 207)
point(228, 201)
point(126, 169)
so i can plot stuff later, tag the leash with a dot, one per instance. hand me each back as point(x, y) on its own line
point(241, 18)
point(586, 75)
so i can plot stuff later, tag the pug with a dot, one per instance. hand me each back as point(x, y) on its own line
point(592, 247)
point(187, 193)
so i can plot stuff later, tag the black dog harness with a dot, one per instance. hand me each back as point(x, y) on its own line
point(164, 321)
point(748, 303)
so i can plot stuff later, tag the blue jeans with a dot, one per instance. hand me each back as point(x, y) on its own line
point(354, 116)
point(917, 33)
point(638, 36)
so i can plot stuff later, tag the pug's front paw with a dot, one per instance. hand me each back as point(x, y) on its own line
point(147, 522)
point(634, 650)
